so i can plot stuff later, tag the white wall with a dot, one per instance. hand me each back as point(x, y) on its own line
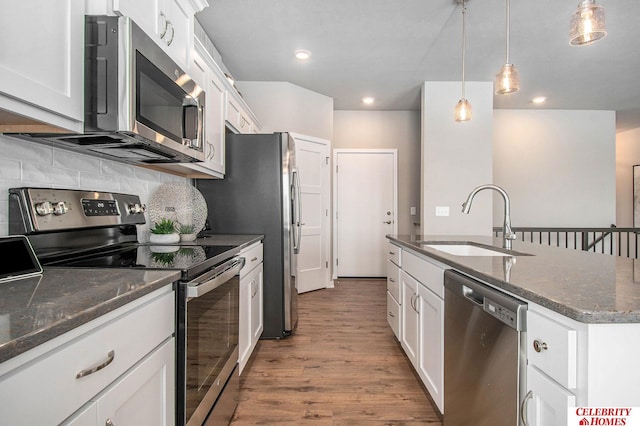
point(558, 167)
point(285, 107)
point(627, 156)
point(456, 157)
point(24, 163)
point(387, 130)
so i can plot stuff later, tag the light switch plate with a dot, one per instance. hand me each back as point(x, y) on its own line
point(413, 211)
point(442, 210)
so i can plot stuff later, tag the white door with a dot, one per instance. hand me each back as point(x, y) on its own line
point(312, 162)
point(365, 208)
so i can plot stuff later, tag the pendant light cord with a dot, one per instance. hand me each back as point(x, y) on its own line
point(464, 42)
point(508, 32)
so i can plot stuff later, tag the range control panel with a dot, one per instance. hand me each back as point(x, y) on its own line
point(49, 209)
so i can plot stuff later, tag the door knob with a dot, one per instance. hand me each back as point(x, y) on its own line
point(388, 222)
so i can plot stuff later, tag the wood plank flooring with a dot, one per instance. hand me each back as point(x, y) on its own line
point(342, 366)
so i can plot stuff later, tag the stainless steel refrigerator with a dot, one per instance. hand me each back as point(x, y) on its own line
point(260, 194)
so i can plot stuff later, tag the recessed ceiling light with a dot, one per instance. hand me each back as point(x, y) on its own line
point(539, 99)
point(368, 100)
point(303, 55)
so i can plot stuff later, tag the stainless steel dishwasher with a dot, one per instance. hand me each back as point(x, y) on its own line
point(484, 357)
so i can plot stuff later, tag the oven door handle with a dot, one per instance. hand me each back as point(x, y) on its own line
point(198, 288)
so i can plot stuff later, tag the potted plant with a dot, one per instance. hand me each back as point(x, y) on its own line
point(187, 232)
point(164, 232)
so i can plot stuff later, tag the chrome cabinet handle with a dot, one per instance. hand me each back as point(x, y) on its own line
point(539, 346)
point(392, 280)
point(108, 423)
point(523, 408)
point(173, 33)
point(391, 314)
point(392, 253)
point(254, 259)
point(165, 25)
point(388, 222)
point(110, 357)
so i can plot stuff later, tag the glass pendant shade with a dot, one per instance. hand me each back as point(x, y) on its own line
point(507, 80)
point(587, 24)
point(462, 111)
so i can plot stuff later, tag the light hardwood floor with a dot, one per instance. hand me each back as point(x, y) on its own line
point(342, 366)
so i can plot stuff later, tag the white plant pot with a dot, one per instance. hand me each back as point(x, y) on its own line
point(164, 238)
point(188, 237)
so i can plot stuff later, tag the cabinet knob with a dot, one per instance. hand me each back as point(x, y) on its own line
point(539, 346)
point(108, 423)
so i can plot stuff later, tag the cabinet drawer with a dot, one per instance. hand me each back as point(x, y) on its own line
point(393, 253)
point(253, 257)
point(51, 379)
point(393, 314)
point(429, 274)
point(393, 280)
point(557, 348)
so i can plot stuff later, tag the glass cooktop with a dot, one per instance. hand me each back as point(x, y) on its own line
point(182, 257)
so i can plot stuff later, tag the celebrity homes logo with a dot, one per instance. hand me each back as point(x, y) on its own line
point(604, 416)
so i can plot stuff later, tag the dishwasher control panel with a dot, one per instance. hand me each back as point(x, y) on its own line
point(499, 311)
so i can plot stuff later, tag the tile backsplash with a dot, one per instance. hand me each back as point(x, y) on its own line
point(26, 163)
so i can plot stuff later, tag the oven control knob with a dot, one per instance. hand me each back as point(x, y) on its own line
point(44, 208)
point(136, 208)
point(60, 208)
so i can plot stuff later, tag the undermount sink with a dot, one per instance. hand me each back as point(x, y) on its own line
point(469, 249)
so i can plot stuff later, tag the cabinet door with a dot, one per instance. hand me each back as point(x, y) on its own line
point(41, 54)
point(215, 95)
point(244, 323)
point(257, 322)
point(546, 401)
point(409, 318)
point(431, 343)
point(145, 396)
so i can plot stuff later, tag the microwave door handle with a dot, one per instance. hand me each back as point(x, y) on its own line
point(197, 288)
point(193, 140)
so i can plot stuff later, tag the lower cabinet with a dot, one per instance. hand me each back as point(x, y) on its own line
point(251, 323)
point(422, 321)
point(546, 402)
point(393, 297)
point(142, 397)
point(120, 366)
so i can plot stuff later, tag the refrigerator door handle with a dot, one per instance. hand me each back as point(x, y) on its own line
point(297, 211)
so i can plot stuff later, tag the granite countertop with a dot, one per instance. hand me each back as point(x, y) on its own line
point(585, 286)
point(240, 241)
point(36, 310)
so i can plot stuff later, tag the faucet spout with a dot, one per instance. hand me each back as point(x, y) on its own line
point(507, 232)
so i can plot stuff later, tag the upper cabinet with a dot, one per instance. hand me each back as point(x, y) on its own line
point(41, 65)
point(168, 22)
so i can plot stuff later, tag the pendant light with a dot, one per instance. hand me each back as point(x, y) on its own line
point(462, 111)
point(507, 79)
point(587, 24)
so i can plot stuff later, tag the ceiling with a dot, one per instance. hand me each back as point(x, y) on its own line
point(387, 48)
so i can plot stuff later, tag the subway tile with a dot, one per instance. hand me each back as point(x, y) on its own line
point(75, 161)
point(27, 151)
point(9, 169)
point(46, 174)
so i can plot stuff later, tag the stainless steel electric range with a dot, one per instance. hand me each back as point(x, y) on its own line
point(94, 229)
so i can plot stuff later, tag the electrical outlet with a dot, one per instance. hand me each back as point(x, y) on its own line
point(413, 211)
point(442, 210)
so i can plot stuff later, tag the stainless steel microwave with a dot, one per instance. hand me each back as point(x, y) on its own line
point(139, 106)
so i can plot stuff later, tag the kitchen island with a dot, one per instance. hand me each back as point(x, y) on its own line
point(583, 318)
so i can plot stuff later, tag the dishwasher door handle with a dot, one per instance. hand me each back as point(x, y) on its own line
point(469, 294)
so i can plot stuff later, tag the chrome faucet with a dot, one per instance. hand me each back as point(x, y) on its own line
point(507, 234)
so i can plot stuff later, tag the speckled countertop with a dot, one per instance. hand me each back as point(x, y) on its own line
point(587, 287)
point(36, 310)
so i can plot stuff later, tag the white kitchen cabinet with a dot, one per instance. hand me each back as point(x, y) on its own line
point(251, 322)
point(422, 319)
point(41, 64)
point(121, 342)
point(430, 362)
point(237, 115)
point(168, 22)
point(141, 397)
point(410, 321)
point(393, 297)
point(546, 401)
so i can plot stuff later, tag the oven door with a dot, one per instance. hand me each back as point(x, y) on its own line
point(208, 342)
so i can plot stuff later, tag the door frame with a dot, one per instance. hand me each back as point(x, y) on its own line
point(334, 190)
